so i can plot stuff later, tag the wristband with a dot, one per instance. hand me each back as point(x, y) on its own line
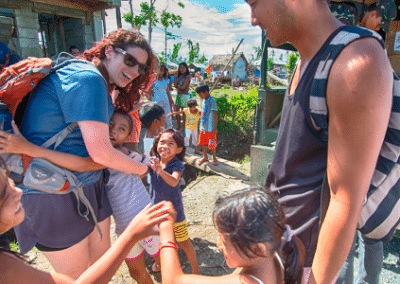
point(168, 244)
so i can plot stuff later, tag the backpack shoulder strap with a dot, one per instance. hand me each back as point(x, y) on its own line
point(318, 107)
point(60, 136)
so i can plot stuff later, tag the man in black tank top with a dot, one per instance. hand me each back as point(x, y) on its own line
point(358, 97)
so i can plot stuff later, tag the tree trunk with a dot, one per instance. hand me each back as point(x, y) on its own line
point(131, 8)
point(165, 49)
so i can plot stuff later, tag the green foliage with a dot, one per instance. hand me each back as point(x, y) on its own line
point(14, 246)
point(235, 123)
point(226, 87)
point(238, 110)
point(162, 57)
point(258, 51)
point(270, 63)
point(143, 17)
point(175, 51)
point(194, 50)
point(170, 20)
point(292, 61)
point(203, 59)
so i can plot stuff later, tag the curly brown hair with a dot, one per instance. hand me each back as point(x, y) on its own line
point(129, 95)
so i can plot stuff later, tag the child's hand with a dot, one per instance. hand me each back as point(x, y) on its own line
point(155, 165)
point(144, 223)
point(170, 114)
point(14, 143)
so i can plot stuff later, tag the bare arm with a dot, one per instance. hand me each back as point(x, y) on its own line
point(359, 102)
point(97, 141)
point(16, 271)
point(175, 113)
point(185, 85)
point(16, 143)
point(7, 59)
point(170, 179)
point(171, 101)
point(215, 113)
point(171, 271)
point(176, 82)
point(137, 106)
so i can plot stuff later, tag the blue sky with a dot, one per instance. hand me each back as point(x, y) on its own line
point(217, 25)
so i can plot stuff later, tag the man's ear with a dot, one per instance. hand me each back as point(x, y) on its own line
point(374, 14)
point(108, 51)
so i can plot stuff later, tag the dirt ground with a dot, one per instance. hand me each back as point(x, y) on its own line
point(198, 196)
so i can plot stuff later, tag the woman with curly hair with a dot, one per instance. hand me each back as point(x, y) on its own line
point(87, 91)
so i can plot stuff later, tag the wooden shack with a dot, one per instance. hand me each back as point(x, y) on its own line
point(44, 28)
point(237, 66)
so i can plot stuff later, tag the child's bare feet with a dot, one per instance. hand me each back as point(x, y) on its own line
point(202, 161)
point(214, 162)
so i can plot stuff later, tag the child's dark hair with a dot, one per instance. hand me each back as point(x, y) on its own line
point(252, 216)
point(166, 74)
point(187, 69)
point(191, 103)
point(128, 118)
point(178, 139)
point(149, 112)
point(202, 89)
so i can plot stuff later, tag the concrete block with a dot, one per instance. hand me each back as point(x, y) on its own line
point(28, 33)
point(261, 158)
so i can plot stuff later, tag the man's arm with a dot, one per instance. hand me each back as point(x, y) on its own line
point(359, 101)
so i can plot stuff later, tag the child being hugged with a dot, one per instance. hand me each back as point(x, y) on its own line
point(254, 238)
point(165, 172)
point(208, 124)
point(191, 117)
point(126, 192)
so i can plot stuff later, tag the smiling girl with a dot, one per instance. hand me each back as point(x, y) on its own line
point(165, 172)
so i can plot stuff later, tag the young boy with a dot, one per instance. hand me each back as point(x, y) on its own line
point(208, 124)
point(152, 117)
point(191, 117)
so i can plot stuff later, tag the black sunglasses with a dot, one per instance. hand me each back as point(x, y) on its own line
point(131, 61)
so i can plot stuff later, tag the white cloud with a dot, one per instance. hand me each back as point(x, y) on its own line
point(216, 32)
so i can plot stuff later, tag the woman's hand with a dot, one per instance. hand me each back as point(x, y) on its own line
point(14, 143)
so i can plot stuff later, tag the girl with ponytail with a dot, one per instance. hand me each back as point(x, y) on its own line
point(253, 238)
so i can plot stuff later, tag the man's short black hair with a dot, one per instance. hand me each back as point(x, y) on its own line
point(72, 47)
point(202, 89)
point(150, 112)
point(191, 102)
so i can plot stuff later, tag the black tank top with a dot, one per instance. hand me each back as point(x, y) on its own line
point(299, 161)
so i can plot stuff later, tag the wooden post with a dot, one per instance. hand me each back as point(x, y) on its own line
point(62, 33)
point(118, 14)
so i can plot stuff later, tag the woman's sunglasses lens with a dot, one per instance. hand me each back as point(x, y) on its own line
point(129, 60)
